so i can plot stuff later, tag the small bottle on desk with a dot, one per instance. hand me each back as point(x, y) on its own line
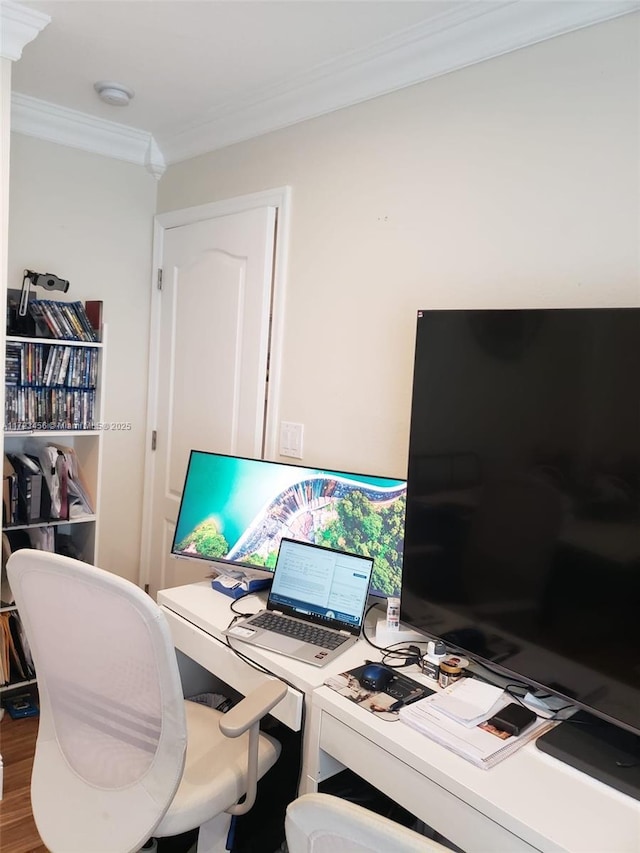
point(436, 652)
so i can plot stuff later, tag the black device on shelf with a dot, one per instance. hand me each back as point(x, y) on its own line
point(17, 324)
point(522, 542)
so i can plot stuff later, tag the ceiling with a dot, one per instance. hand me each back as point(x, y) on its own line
point(208, 73)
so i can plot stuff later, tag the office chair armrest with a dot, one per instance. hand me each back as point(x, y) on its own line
point(252, 708)
point(246, 715)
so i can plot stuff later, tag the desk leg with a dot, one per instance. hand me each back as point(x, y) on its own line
point(317, 765)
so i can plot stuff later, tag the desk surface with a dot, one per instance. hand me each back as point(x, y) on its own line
point(210, 611)
point(542, 803)
point(530, 801)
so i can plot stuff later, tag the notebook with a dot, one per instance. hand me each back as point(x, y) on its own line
point(315, 591)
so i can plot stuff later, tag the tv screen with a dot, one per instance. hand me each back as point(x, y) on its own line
point(522, 542)
point(236, 510)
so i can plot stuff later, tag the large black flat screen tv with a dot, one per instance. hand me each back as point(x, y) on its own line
point(235, 511)
point(522, 543)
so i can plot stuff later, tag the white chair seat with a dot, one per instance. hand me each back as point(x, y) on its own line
point(201, 795)
point(322, 823)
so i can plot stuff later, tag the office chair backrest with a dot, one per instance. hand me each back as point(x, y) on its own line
point(322, 823)
point(112, 735)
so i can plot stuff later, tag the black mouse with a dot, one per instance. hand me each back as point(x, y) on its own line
point(375, 676)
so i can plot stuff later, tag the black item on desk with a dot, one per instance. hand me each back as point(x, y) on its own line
point(606, 752)
point(513, 718)
point(376, 676)
point(400, 687)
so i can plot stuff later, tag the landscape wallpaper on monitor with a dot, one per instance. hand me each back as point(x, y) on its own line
point(238, 509)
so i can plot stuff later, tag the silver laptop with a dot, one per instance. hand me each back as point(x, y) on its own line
point(315, 609)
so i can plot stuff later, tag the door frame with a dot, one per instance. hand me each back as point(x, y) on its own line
point(280, 198)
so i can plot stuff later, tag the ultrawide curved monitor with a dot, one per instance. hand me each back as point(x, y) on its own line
point(235, 510)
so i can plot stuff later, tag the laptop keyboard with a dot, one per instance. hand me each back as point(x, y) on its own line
point(299, 630)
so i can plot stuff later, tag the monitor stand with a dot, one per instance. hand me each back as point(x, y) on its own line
point(600, 749)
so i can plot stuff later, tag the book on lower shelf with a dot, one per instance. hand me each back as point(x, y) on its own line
point(469, 733)
point(21, 705)
point(16, 663)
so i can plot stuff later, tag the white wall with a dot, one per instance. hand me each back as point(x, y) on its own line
point(511, 183)
point(89, 219)
point(507, 184)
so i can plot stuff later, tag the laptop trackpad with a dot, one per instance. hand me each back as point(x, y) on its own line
point(286, 645)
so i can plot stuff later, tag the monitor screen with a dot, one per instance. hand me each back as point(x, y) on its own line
point(522, 542)
point(326, 584)
point(236, 510)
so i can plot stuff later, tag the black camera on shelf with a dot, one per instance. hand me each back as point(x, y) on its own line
point(47, 280)
point(19, 321)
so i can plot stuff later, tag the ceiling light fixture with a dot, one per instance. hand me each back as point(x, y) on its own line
point(113, 93)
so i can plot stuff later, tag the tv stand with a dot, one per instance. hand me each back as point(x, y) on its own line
point(602, 750)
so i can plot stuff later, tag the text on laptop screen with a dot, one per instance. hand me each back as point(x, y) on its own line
point(236, 510)
point(322, 582)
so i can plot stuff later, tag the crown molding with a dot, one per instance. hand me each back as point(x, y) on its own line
point(18, 26)
point(472, 33)
point(75, 129)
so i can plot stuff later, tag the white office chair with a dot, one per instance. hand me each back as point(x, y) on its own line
point(322, 823)
point(120, 756)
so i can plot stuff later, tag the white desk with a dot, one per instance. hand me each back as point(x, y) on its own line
point(528, 802)
point(198, 615)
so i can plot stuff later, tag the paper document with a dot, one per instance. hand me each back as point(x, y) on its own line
point(481, 743)
point(469, 701)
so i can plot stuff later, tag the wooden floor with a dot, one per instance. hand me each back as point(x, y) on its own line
point(18, 833)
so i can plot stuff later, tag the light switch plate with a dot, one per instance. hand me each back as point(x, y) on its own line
point(291, 436)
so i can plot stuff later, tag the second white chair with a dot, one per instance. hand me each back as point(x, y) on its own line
point(322, 823)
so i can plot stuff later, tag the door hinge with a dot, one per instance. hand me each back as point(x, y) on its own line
point(154, 439)
point(159, 279)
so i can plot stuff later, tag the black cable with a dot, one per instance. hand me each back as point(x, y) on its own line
point(364, 623)
point(237, 612)
point(554, 717)
point(510, 688)
point(251, 662)
point(410, 655)
point(242, 655)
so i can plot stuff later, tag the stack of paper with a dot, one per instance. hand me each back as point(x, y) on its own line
point(469, 702)
point(453, 719)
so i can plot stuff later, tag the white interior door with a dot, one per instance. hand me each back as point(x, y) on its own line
point(211, 344)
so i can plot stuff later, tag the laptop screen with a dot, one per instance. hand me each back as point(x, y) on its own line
point(322, 585)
